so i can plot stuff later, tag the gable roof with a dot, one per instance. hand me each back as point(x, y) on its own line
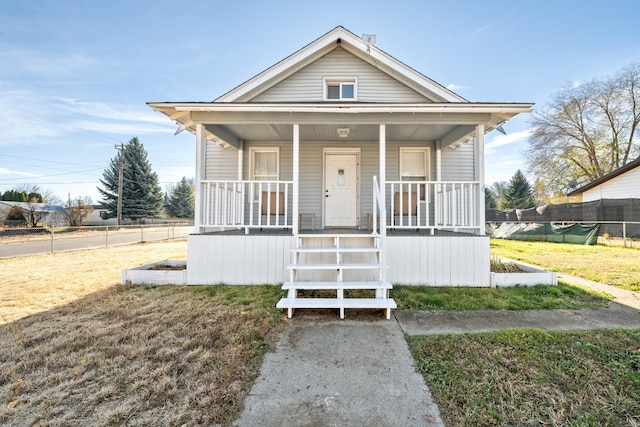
point(626, 168)
point(340, 37)
point(244, 113)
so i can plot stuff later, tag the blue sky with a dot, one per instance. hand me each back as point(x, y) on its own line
point(75, 75)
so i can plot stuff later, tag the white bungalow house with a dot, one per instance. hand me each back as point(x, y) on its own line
point(339, 167)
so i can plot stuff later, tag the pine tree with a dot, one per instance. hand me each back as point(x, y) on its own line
point(141, 193)
point(181, 203)
point(519, 194)
point(489, 199)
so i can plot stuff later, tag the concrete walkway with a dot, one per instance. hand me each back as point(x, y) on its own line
point(340, 373)
point(458, 322)
point(330, 372)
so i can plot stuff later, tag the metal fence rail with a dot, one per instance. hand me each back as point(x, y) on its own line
point(20, 241)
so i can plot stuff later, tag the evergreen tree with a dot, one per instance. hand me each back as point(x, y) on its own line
point(519, 194)
point(489, 199)
point(141, 193)
point(181, 203)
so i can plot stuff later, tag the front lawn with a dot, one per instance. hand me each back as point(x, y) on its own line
point(531, 377)
point(562, 296)
point(612, 265)
point(138, 356)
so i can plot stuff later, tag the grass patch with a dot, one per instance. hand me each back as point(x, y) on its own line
point(562, 296)
point(606, 264)
point(79, 349)
point(533, 377)
point(41, 282)
point(138, 356)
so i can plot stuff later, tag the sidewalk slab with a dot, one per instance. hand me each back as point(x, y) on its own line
point(340, 373)
point(457, 322)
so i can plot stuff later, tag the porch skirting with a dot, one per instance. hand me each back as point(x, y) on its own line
point(456, 260)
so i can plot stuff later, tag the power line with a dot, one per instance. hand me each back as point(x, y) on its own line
point(47, 176)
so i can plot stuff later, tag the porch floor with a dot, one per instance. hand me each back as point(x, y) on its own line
point(287, 232)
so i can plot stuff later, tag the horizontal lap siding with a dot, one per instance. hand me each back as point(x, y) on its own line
point(220, 163)
point(307, 84)
point(458, 164)
point(438, 260)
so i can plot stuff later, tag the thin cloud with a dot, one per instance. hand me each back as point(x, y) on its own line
point(48, 117)
point(120, 128)
point(112, 112)
point(508, 139)
point(5, 171)
point(20, 62)
point(454, 87)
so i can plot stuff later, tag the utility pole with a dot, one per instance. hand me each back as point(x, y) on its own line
point(120, 182)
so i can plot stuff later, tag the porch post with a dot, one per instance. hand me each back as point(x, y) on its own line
point(201, 143)
point(296, 176)
point(438, 160)
point(240, 158)
point(479, 163)
point(383, 172)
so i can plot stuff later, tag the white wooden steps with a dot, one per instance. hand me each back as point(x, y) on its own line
point(321, 262)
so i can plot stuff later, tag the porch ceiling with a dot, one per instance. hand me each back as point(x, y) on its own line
point(329, 132)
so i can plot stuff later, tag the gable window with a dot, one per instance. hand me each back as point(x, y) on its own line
point(264, 166)
point(414, 166)
point(340, 89)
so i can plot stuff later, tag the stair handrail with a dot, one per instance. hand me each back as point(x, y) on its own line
point(378, 204)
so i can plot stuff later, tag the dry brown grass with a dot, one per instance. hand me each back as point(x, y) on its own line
point(111, 355)
point(135, 356)
point(41, 282)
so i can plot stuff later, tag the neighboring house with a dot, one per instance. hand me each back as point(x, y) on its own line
point(48, 214)
point(622, 183)
point(339, 164)
point(98, 216)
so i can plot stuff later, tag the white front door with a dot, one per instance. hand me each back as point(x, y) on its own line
point(341, 190)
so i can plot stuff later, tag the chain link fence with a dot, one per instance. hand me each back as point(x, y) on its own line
point(19, 241)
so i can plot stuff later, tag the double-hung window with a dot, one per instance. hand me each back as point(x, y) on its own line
point(264, 166)
point(340, 89)
point(414, 166)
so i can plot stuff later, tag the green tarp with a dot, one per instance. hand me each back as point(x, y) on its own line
point(548, 232)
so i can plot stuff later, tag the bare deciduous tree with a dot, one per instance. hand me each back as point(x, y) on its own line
point(77, 214)
point(587, 130)
point(33, 213)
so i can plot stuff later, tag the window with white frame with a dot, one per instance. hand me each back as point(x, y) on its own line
point(414, 166)
point(264, 166)
point(340, 89)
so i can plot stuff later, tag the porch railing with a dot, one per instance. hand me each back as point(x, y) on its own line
point(411, 205)
point(246, 204)
point(434, 204)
